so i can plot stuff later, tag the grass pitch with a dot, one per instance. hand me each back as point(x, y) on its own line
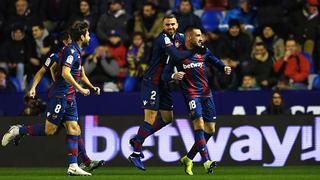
point(168, 173)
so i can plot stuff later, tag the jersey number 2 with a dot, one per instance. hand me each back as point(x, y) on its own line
point(153, 95)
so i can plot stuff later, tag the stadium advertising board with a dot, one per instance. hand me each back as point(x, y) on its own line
point(239, 140)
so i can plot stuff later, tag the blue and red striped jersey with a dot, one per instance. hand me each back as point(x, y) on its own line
point(69, 56)
point(195, 81)
point(54, 57)
point(164, 48)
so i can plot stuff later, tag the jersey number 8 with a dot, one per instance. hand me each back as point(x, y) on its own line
point(58, 108)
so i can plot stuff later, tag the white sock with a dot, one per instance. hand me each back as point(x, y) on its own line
point(73, 165)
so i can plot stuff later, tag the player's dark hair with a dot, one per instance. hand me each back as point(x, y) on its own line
point(169, 16)
point(78, 29)
point(64, 35)
point(190, 28)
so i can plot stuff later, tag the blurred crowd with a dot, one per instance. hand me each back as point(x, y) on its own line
point(268, 43)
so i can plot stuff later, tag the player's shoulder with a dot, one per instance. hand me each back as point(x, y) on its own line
point(180, 35)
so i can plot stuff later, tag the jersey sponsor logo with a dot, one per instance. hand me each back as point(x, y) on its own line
point(193, 65)
point(48, 61)
point(70, 59)
point(72, 51)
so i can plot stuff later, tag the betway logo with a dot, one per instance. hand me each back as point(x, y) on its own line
point(242, 143)
point(193, 65)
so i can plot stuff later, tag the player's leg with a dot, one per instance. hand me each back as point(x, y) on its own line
point(209, 117)
point(166, 110)
point(87, 164)
point(54, 113)
point(72, 138)
point(150, 99)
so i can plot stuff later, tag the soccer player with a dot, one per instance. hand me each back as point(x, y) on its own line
point(155, 96)
point(62, 103)
point(198, 95)
point(50, 64)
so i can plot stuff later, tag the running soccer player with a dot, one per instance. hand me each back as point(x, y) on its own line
point(155, 96)
point(50, 64)
point(62, 103)
point(198, 95)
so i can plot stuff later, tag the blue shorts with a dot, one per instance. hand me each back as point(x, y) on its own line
point(155, 97)
point(60, 110)
point(202, 107)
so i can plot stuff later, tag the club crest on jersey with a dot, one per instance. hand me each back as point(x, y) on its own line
point(48, 61)
point(70, 59)
point(177, 43)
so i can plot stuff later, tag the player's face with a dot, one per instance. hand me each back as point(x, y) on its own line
point(170, 26)
point(86, 39)
point(196, 37)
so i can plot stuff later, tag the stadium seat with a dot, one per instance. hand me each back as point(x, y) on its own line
point(309, 58)
point(16, 83)
point(316, 83)
point(211, 19)
point(43, 85)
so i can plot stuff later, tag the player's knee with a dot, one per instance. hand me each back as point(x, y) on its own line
point(51, 130)
point(73, 129)
point(198, 124)
point(210, 128)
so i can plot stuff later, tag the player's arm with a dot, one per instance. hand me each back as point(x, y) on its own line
point(53, 71)
point(84, 79)
point(66, 74)
point(36, 81)
point(169, 74)
point(217, 62)
point(176, 54)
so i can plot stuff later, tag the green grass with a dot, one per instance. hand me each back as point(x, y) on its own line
point(166, 173)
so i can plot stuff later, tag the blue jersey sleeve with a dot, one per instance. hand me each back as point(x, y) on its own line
point(172, 51)
point(54, 57)
point(214, 60)
point(69, 57)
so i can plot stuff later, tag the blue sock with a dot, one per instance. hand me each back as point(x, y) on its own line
point(82, 152)
point(72, 146)
point(144, 131)
point(202, 145)
point(194, 150)
point(33, 130)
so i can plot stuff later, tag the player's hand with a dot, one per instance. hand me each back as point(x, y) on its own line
point(32, 93)
point(200, 50)
point(96, 91)
point(227, 70)
point(178, 75)
point(85, 92)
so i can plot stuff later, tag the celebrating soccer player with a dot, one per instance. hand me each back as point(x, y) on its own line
point(155, 96)
point(197, 94)
point(62, 106)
